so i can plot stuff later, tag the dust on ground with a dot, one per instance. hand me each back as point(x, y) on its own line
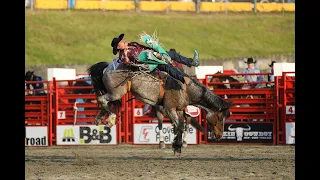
point(128, 162)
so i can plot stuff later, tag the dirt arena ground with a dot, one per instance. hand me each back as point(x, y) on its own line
point(148, 162)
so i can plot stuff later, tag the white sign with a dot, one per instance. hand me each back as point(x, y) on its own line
point(61, 114)
point(36, 136)
point(201, 71)
point(284, 67)
point(149, 134)
point(138, 112)
point(290, 133)
point(290, 110)
point(86, 135)
point(61, 74)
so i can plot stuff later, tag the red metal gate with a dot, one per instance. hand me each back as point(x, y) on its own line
point(38, 112)
point(286, 103)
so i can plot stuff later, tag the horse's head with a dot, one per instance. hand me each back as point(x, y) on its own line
point(216, 121)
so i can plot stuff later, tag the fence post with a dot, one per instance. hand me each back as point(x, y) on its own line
point(103, 5)
point(32, 4)
point(255, 6)
point(198, 5)
point(136, 5)
point(283, 7)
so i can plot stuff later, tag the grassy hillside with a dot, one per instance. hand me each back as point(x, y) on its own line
point(81, 37)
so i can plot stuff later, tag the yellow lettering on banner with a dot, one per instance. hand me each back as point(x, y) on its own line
point(212, 6)
point(269, 7)
point(239, 7)
point(51, 4)
point(289, 7)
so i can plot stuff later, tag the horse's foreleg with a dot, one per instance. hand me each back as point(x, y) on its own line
point(178, 123)
point(103, 100)
point(161, 137)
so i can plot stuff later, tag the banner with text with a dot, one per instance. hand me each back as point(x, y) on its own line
point(86, 135)
point(246, 133)
point(36, 136)
point(149, 134)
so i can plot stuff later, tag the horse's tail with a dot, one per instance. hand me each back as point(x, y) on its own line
point(211, 100)
point(96, 73)
point(196, 124)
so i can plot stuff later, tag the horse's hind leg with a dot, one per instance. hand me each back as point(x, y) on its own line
point(178, 122)
point(161, 137)
point(103, 100)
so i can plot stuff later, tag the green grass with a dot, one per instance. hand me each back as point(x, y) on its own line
point(84, 37)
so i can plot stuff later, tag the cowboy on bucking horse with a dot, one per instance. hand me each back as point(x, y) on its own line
point(153, 55)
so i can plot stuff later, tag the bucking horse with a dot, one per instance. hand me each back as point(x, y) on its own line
point(157, 89)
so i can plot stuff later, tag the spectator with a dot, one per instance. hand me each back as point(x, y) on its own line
point(271, 75)
point(37, 85)
point(251, 78)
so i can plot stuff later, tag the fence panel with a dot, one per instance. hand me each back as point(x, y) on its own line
point(38, 114)
point(286, 108)
point(75, 110)
point(253, 115)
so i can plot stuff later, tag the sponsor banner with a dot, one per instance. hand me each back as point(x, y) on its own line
point(290, 133)
point(149, 134)
point(246, 133)
point(86, 135)
point(36, 136)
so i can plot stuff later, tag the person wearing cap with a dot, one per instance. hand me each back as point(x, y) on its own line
point(251, 69)
point(153, 55)
point(271, 75)
point(30, 76)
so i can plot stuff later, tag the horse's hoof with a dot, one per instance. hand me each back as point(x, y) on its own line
point(177, 151)
point(162, 145)
point(112, 120)
point(184, 144)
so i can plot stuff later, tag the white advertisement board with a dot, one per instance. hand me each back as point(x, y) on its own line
point(36, 136)
point(61, 74)
point(201, 71)
point(290, 133)
point(149, 134)
point(283, 67)
point(86, 135)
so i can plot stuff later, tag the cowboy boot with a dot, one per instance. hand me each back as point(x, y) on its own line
point(195, 60)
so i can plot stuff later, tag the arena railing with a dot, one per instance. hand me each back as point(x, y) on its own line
point(254, 108)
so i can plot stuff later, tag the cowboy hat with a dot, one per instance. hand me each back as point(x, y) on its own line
point(272, 63)
point(28, 75)
point(250, 60)
point(115, 43)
